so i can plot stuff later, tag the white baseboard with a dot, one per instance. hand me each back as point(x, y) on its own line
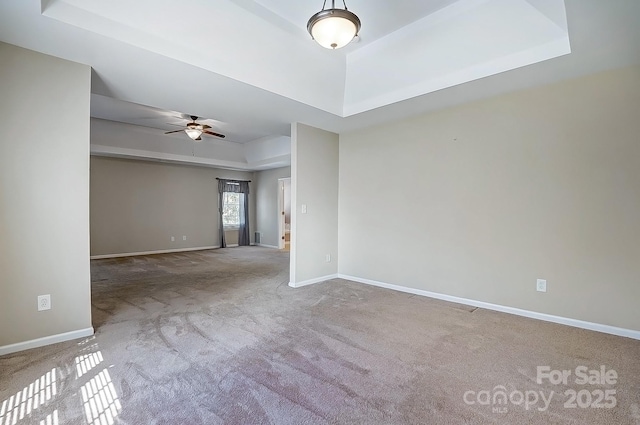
point(312, 281)
point(267, 246)
point(47, 340)
point(161, 251)
point(613, 330)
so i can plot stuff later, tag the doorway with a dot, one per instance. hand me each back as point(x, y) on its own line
point(284, 213)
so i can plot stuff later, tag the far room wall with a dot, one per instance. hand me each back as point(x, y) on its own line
point(481, 200)
point(137, 206)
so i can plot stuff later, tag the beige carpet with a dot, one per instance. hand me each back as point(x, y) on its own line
point(217, 337)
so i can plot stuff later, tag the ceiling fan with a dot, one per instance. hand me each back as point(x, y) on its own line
point(195, 130)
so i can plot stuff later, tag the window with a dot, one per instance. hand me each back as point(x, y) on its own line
point(231, 209)
point(233, 201)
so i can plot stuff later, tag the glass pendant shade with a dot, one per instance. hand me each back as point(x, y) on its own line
point(333, 28)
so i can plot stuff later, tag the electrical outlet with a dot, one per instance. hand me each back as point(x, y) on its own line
point(328, 258)
point(184, 238)
point(44, 302)
point(304, 208)
point(173, 238)
point(541, 285)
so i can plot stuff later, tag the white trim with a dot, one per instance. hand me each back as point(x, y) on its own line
point(267, 246)
point(47, 340)
point(145, 155)
point(312, 281)
point(155, 156)
point(160, 251)
point(231, 245)
point(598, 327)
point(281, 212)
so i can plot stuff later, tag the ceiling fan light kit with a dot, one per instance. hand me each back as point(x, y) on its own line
point(334, 28)
point(195, 130)
point(194, 133)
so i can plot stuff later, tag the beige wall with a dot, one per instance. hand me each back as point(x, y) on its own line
point(314, 183)
point(137, 206)
point(267, 203)
point(481, 200)
point(44, 196)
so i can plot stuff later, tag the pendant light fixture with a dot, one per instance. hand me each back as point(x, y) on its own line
point(333, 28)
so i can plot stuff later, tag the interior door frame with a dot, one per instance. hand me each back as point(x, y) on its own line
point(281, 212)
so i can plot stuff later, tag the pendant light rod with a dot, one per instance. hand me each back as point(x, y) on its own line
point(333, 4)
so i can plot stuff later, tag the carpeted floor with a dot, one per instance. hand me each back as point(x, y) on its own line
point(217, 337)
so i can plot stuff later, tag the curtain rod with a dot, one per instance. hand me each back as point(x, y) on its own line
point(234, 180)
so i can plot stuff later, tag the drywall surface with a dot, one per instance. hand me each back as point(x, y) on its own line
point(267, 213)
point(44, 196)
point(314, 189)
point(481, 200)
point(138, 206)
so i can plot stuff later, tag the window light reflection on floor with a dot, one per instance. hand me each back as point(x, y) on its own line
point(86, 362)
point(101, 404)
point(30, 398)
point(99, 398)
point(51, 419)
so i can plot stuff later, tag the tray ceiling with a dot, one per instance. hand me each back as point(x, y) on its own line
point(249, 66)
point(409, 49)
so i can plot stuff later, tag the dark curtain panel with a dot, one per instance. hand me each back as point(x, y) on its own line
point(235, 186)
point(244, 237)
point(221, 189)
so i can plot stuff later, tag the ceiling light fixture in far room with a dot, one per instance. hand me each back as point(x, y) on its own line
point(333, 28)
point(194, 132)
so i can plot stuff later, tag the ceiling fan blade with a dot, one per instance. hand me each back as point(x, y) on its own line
point(176, 131)
point(175, 125)
point(205, 127)
point(222, 136)
point(198, 139)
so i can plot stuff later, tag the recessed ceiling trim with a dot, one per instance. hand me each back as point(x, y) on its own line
point(467, 41)
point(109, 138)
point(550, 9)
point(536, 54)
point(236, 46)
point(296, 68)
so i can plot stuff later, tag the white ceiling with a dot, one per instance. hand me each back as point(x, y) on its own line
point(108, 108)
point(250, 68)
point(421, 48)
point(379, 17)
